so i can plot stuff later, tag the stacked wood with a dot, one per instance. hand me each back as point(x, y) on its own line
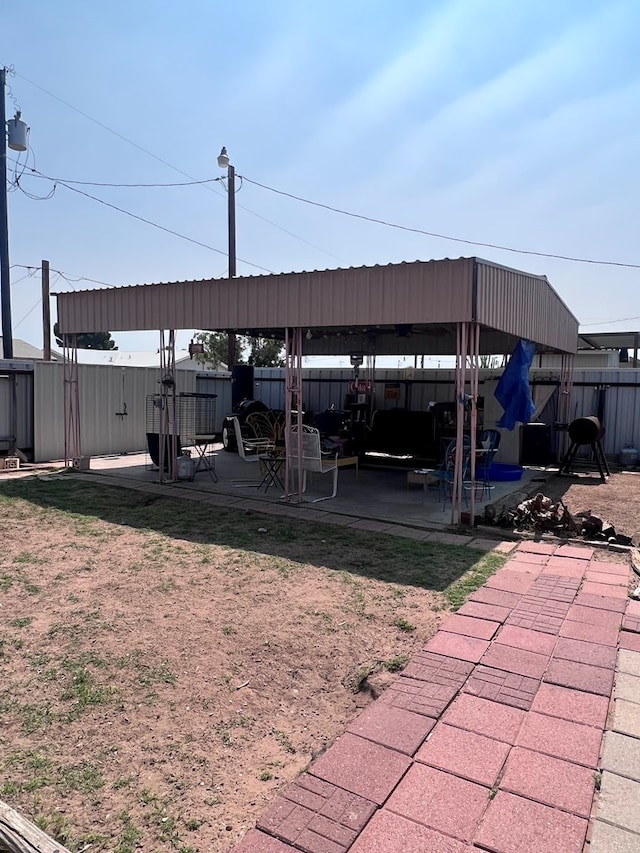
point(19, 835)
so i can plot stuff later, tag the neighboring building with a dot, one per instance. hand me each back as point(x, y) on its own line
point(24, 351)
point(151, 358)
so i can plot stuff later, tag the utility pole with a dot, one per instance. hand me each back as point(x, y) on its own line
point(223, 161)
point(5, 281)
point(46, 313)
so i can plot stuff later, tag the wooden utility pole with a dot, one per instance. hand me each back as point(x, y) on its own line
point(46, 313)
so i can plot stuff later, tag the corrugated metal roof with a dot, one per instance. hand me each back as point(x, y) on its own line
point(421, 293)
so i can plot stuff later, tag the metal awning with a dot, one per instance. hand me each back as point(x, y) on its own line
point(407, 308)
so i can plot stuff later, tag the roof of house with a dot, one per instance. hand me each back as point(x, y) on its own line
point(24, 350)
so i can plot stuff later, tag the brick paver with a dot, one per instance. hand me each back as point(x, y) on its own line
point(590, 588)
point(392, 833)
point(440, 801)
point(601, 602)
point(518, 582)
point(500, 686)
point(631, 623)
point(514, 824)
point(492, 612)
point(258, 842)
point(361, 767)
point(511, 694)
point(549, 780)
point(466, 754)
point(611, 839)
point(539, 614)
point(591, 633)
point(393, 727)
point(630, 641)
point(470, 626)
point(593, 616)
point(591, 679)
point(531, 547)
point(629, 662)
point(522, 638)
point(317, 816)
point(457, 646)
point(519, 661)
point(495, 596)
point(619, 801)
point(573, 705)
point(577, 552)
point(621, 755)
point(561, 739)
point(582, 652)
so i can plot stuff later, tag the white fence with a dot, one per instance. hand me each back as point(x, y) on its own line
point(112, 400)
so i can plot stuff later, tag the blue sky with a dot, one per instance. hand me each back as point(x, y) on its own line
point(513, 122)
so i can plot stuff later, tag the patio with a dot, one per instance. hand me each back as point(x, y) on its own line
point(381, 496)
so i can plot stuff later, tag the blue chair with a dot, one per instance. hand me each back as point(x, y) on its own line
point(445, 472)
point(489, 443)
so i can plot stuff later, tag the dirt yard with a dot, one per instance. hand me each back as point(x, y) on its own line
point(167, 666)
point(617, 500)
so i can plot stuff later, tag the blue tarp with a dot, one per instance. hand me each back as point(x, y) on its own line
point(513, 391)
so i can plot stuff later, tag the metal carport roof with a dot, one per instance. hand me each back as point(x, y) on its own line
point(395, 309)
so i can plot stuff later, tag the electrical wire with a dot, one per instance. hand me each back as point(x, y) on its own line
point(609, 322)
point(441, 236)
point(156, 225)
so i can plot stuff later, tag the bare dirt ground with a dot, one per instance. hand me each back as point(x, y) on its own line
point(616, 500)
point(166, 666)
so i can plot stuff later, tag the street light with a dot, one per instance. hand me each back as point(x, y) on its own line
point(223, 163)
point(18, 135)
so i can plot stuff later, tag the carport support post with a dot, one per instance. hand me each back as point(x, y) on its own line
point(72, 447)
point(168, 440)
point(293, 398)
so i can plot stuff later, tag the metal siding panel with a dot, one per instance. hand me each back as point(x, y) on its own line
point(525, 306)
point(433, 291)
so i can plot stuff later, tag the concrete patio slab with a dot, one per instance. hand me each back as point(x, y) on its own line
point(550, 781)
point(605, 579)
point(579, 552)
point(493, 719)
point(531, 547)
point(630, 622)
point(440, 801)
point(589, 588)
point(518, 582)
point(601, 602)
point(485, 595)
point(626, 717)
point(619, 802)
point(514, 824)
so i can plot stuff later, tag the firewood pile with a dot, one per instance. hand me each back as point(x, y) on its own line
point(541, 514)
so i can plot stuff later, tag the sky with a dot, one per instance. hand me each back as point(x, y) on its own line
point(494, 121)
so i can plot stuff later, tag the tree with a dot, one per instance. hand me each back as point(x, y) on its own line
point(266, 352)
point(261, 352)
point(89, 340)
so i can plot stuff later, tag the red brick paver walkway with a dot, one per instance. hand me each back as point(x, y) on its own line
point(492, 737)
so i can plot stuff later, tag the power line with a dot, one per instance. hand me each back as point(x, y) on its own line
point(206, 184)
point(441, 236)
point(156, 225)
